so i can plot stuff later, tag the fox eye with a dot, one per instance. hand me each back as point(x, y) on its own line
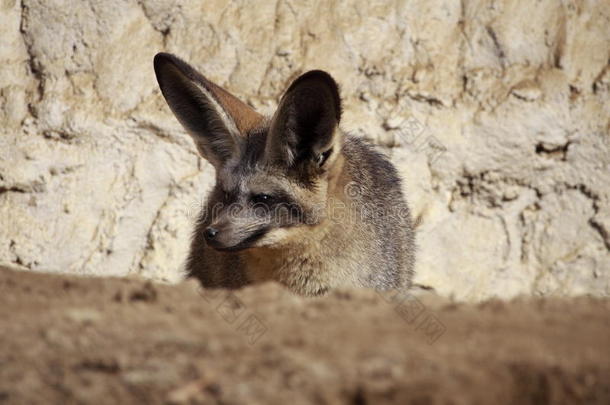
point(261, 198)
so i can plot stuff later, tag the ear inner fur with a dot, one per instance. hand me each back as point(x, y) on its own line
point(244, 116)
point(304, 125)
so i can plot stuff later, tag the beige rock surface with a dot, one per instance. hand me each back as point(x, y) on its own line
point(496, 113)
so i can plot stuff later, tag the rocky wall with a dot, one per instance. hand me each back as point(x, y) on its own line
point(497, 114)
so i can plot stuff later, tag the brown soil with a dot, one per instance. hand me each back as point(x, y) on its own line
point(95, 340)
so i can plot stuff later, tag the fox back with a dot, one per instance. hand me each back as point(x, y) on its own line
point(296, 200)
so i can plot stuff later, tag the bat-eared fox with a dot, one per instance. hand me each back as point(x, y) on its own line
point(296, 199)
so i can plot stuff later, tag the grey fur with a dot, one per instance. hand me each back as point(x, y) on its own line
point(305, 170)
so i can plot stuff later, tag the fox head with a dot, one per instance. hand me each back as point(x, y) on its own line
point(273, 174)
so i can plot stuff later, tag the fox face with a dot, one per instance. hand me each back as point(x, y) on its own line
point(255, 206)
point(272, 173)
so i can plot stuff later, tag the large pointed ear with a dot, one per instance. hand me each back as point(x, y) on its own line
point(212, 116)
point(304, 128)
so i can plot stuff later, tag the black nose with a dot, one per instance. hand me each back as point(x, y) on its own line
point(210, 233)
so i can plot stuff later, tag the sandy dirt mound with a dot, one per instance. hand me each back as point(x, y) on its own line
point(88, 340)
